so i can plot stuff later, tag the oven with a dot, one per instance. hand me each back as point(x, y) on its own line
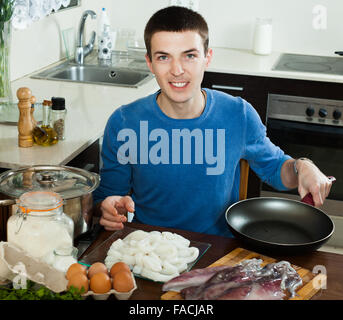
point(311, 128)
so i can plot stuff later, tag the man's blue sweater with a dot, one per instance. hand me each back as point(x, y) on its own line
point(184, 173)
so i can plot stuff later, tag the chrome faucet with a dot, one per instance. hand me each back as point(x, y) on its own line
point(82, 51)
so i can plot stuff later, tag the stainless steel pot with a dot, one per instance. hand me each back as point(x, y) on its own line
point(73, 184)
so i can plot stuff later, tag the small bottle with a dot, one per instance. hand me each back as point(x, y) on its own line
point(58, 114)
point(33, 101)
point(45, 135)
point(105, 44)
point(105, 38)
point(103, 20)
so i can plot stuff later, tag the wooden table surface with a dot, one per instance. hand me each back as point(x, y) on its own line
point(220, 246)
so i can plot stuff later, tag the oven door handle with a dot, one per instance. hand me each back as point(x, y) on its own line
point(235, 88)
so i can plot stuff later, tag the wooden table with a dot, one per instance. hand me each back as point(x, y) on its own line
point(220, 246)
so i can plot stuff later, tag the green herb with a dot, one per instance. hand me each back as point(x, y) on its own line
point(38, 292)
point(6, 11)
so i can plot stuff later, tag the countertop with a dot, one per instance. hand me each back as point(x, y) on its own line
point(245, 62)
point(220, 246)
point(89, 106)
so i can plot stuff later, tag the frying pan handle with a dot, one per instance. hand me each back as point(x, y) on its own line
point(309, 199)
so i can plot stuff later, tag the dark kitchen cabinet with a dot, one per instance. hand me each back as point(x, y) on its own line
point(253, 89)
point(88, 159)
point(305, 88)
point(5, 213)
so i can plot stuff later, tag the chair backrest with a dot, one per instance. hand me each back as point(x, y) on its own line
point(243, 182)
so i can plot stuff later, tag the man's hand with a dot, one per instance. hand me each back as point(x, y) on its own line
point(113, 211)
point(312, 180)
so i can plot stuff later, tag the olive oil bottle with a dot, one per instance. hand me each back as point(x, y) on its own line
point(45, 135)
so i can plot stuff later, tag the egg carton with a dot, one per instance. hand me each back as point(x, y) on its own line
point(16, 263)
point(117, 294)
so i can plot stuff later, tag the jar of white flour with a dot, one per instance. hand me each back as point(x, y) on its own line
point(39, 226)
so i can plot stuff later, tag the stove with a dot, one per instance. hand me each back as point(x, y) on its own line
point(308, 63)
point(305, 109)
point(312, 128)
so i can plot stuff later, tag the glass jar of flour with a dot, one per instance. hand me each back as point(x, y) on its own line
point(39, 226)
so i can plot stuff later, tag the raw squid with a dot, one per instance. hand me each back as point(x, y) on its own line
point(192, 278)
point(159, 256)
point(246, 281)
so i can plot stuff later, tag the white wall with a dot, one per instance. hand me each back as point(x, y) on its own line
point(292, 24)
point(231, 24)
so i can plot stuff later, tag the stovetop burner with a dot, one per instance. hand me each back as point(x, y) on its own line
point(307, 63)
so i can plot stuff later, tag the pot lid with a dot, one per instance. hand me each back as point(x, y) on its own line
point(68, 182)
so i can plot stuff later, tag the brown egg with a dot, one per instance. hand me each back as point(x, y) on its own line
point(122, 281)
point(119, 266)
point(97, 267)
point(79, 281)
point(76, 268)
point(100, 283)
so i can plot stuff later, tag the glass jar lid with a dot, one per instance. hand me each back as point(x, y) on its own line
point(69, 182)
point(40, 201)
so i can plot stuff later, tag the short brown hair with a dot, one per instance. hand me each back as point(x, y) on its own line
point(175, 19)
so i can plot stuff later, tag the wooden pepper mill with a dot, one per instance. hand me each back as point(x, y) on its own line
point(25, 127)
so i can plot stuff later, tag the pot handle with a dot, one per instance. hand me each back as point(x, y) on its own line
point(309, 199)
point(7, 202)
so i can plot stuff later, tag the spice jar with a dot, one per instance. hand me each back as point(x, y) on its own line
point(39, 226)
point(58, 114)
point(45, 135)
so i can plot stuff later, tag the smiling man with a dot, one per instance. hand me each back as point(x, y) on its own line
point(177, 151)
point(179, 60)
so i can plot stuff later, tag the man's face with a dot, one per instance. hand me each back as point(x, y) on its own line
point(178, 62)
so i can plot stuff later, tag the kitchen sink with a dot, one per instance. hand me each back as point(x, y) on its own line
point(96, 74)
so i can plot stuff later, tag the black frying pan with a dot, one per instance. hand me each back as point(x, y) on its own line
point(279, 226)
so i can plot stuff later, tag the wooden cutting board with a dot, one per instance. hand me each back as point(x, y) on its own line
point(312, 283)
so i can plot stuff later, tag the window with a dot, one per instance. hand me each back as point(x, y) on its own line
point(73, 3)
